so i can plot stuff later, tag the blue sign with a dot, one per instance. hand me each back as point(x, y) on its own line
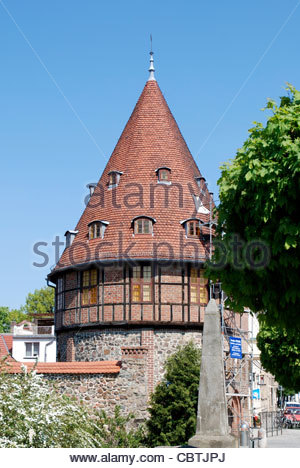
point(235, 347)
point(256, 394)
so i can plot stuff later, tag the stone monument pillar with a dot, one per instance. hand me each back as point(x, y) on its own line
point(212, 420)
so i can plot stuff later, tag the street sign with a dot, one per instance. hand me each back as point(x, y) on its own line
point(256, 394)
point(235, 347)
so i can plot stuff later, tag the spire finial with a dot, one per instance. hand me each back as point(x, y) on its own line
point(151, 68)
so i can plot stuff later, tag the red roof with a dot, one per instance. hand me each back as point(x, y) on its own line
point(96, 367)
point(6, 341)
point(151, 139)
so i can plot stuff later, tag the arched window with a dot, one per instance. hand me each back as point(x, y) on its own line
point(196, 228)
point(193, 227)
point(114, 178)
point(97, 229)
point(143, 225)
point(163, 175)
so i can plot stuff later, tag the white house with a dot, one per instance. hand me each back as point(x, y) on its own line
point(32, 342)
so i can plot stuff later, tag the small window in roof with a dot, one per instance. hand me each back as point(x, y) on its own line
point(163, 175)
point(70, 236)
point(114, 178)
point(143, 224)
point(97, 229)
point(192, 227)
point(201, 181)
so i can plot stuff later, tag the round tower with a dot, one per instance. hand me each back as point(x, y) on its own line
point(131, 275)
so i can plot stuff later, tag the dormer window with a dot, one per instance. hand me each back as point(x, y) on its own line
point(91, 187)
point(114, 178)
point(201, 181)
point(143, 225)
point(163, 175)
point(70, 236)
point(192, 227)
point(97, 229)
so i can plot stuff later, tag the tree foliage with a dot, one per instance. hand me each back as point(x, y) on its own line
point(4, 319)
point(280, 355)
point(41, 301)
point(34, 414)
point(173, 405)
point(259, 199)
point(9, 315)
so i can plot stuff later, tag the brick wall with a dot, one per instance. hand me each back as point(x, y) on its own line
point(170, 298)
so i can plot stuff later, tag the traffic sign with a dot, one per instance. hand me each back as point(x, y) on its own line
point(235, 347)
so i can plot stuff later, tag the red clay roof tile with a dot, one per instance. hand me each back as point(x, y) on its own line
point(151, 139)
point(5, 344)
point(95, 367)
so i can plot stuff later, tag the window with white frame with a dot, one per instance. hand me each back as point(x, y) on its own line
point(143, 225)
point(97, 229)
point(163, 175)
point(114, 178)
point(32, 349)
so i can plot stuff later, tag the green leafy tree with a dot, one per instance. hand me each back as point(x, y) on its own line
point(173, 405)
point(41, 301)
point(4, 319)
point(9, 315)
point(17, 315)
point(280, 355)
point(259, 200)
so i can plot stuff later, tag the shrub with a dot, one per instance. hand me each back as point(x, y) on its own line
point(173, 405)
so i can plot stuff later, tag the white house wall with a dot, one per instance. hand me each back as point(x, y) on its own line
point(47, 348)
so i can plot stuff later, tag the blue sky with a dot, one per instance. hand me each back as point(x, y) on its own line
point(71, 73)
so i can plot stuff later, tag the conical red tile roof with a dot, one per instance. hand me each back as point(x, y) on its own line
point(151, 139)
